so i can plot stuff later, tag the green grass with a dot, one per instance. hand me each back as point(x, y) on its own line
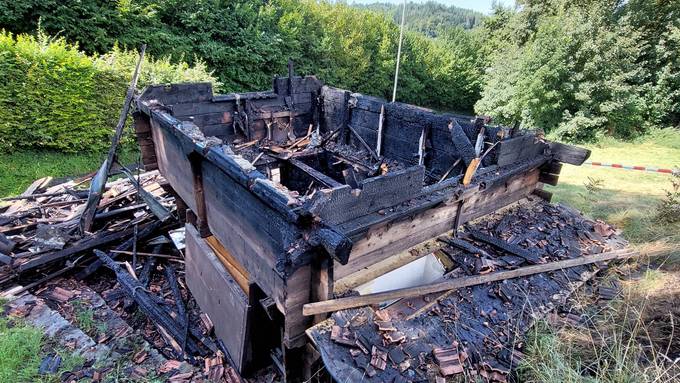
point(84, 317)
point(627, 199)
point(20, 347)
point(19, 169)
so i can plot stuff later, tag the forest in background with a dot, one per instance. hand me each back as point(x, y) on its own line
point(429, 18)
point(578, 70)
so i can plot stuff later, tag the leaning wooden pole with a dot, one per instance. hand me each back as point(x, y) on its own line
point(458, 283)
point(99, 180)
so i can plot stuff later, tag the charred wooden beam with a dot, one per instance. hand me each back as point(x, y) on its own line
point(569, 154)
point(148, 304)
point(83, 245)
point(466, 246)
point(315, 174)
point(461, 142)
point(146, 231)
point(528, 255)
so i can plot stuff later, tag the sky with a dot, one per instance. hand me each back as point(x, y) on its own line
point(477, 5)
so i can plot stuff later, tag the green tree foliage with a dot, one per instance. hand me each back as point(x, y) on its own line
point(247, 41)
point(583, 69)
point(429, 18)
point(56, 97)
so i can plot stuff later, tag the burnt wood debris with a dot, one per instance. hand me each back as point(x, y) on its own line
point(268, 211)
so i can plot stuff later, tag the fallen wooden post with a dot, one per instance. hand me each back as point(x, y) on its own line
point(99, 181)
point(149, 304)
point(458, 283)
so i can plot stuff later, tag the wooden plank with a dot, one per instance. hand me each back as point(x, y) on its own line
point(32, 188)
point(176, 94)
point(220, 296)
point(454, 284)
point(315, 174)
point(382, 241)
point(237, 271)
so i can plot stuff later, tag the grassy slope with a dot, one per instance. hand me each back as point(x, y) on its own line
point(23, 347)
point(19, 169)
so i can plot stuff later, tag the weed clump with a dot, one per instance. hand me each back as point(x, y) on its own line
point(669, 207)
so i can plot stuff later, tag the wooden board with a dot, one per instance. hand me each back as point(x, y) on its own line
point(220, 296)
point(381, 242)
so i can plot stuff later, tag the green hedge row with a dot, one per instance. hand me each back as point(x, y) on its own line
point(55, 97)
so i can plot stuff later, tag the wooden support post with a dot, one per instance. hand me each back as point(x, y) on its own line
point(344, 134)
point(142, 125)
point(322, 282)
point(421, 147)
point(381, 121)
point(201, 209)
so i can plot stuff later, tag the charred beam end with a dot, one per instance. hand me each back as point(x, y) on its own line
point(528, 255)
point(569, 154)
point(336, 244)
point(461, 142)
point(6, 244)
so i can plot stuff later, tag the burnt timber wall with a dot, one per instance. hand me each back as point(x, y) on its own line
point(263, 226)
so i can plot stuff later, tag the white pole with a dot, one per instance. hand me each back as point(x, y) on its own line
point(401, 37)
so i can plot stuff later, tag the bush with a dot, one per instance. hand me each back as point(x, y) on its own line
point(56, 97)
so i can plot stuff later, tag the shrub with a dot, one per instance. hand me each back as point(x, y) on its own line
point(56, 97)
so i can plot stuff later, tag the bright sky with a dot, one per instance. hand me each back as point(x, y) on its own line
point(477, 5)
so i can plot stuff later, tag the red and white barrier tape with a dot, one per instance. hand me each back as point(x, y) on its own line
point(631, 167)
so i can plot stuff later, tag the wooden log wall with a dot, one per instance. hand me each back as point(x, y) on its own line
point(259, 224)
point(403, 125)
point(382, 241)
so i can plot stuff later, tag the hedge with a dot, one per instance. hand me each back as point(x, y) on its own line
point(55, 97)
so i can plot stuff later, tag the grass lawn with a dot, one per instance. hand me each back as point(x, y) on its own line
point(19, 169)
point(22, 348)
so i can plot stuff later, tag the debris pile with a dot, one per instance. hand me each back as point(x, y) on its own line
point(42, 249)
point(478, 330)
